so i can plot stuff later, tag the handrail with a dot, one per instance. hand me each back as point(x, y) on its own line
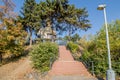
point(92, 67)
point(61, 42)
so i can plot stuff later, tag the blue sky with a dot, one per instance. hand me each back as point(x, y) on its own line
point(96, 17)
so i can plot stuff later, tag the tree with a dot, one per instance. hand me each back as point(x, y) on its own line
point(75, 38)
point(30, 17)
point(11, 34)
point(67, 38)
point(97, 49)
point(4, 12)
point(63, 16)
point(58, 13)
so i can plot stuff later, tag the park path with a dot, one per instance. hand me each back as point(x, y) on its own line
point(66, 68)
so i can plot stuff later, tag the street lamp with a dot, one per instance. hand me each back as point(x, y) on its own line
point(110, 72)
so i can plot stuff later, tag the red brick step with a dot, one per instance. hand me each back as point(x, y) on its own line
point(66, 65)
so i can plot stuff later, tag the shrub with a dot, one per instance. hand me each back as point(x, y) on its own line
point(74, 48)
point(41, 55)
point(98, 50)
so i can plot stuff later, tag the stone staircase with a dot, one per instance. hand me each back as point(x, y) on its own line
point(66, 68)
point(68, 77)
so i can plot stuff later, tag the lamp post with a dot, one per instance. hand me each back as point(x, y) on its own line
point(110, 72)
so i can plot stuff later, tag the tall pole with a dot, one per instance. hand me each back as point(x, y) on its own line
point(107, 39)
point(110, 73)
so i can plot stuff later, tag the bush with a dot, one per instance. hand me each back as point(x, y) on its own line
point(41, 55)
point(74, 48)
point(99, 60)
point(98, 50)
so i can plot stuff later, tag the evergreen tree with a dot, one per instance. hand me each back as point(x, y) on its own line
point(30, 17)
point(63, 16)
point(58, 13)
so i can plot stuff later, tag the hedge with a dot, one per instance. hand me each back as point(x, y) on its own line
point(41, 55)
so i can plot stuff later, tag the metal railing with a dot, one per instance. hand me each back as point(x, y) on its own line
point(61, 42)
point(90, 65)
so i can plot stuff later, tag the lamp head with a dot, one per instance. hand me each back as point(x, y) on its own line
point(101, 7)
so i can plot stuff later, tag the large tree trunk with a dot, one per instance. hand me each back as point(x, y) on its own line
point(30, 39)
point(0, 58)
point(69, 35)
point(53, 40)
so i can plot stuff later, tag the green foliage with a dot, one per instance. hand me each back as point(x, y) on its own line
point(74, 48)
point(41, 55)
point(97, 49)
point(30, 18)
point(60, 15)
point(61, 12)
point(83, 42)
point(12, 35)
point(12, 40)
point(74, 38)
point(67, 38)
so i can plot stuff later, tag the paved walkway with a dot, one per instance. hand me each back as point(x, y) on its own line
point(66, 65)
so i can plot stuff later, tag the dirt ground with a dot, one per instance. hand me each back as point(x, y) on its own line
point(19, 70)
